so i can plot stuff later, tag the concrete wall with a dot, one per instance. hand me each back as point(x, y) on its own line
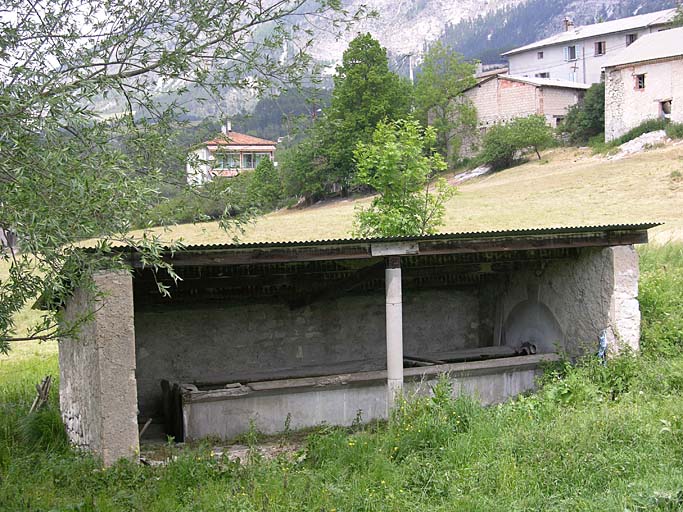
point(626, 107)
point(97, 388)
point(344, 402)
point(597, 291)
point(271, 341)
point(587, 68)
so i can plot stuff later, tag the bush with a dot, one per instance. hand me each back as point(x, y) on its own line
point(503, 143)
point(211, 201)
point(674, 130)
point(651, 125)
point(586, 119)
point(43, 429)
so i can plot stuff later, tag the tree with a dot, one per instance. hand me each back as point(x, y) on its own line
point(399, 163)
point(82, 131)
point(365, 92)
point(504, 142)
point(443, 78)
point(498, 147)
point(678, 18)
point(587, 118)
point(532, 132)
point(265, 187)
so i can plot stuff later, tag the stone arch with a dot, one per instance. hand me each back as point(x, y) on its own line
point(532, 321)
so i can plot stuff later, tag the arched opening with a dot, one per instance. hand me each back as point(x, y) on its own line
point(532, 322)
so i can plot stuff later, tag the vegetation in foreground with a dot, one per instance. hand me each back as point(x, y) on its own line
point(594, 438)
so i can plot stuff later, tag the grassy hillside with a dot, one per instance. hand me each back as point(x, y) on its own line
point(595, 438)
point(568, 187)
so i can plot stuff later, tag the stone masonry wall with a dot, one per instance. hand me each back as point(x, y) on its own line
point(97, 393)
point(597, 291)
point(626, 107)
point(270, 341)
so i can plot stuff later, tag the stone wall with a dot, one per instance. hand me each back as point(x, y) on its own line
point(626, 107)
point(597, 291)
point(208, 344)
point(97, 389)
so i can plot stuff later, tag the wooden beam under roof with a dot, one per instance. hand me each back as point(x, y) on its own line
point(432, 245)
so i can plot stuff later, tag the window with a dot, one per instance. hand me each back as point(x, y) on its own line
point(665, 109)
point(227, 161)
point(640, 82)
point(251, 160)
point(539, 55)
point(543, 75)
point(631, 38)
point(600, 48)
point(558, 121)
point(570, 53)
point(248, 161)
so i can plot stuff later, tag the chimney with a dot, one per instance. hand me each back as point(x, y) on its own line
point(568, 24)
point(227, 127)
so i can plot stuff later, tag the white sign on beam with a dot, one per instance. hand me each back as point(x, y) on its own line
point(394, 249)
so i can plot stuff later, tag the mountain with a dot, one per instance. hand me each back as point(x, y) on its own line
point(404, 26)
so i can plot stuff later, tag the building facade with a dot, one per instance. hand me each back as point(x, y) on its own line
point(579, 54)
point(227, 155)
point(502, 98)
point(645, 82)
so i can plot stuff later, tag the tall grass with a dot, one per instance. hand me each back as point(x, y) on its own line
point(593, 438)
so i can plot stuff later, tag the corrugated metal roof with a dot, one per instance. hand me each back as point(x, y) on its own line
point(598, 29)
point(539, 232)
point(659, 45)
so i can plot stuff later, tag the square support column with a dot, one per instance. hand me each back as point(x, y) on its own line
point(97, 388)
point(394, 325)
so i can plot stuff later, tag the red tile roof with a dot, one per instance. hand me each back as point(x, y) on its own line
point(238, 139)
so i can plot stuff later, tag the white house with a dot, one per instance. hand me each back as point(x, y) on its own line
point(644, 81)
point(227, 155)
point(579, 54)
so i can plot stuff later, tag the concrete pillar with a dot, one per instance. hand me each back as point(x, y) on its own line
point(97, 390)
point(624, 312)
point(394, 321)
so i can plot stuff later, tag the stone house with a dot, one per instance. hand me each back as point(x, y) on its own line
point(312, 332)
point(227, 155)
point(579, 54)
point(645, 81)
point(502, 98)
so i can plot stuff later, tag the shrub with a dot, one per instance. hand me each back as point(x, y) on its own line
point(498, 148)
point(651, 125)
point(503, 143)
point(674, 130)
point(213, 200)
point(43, 429)
point(586, 119)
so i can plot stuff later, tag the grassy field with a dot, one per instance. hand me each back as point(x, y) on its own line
point(568, 187)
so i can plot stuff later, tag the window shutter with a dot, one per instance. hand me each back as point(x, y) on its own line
point(566, 54)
